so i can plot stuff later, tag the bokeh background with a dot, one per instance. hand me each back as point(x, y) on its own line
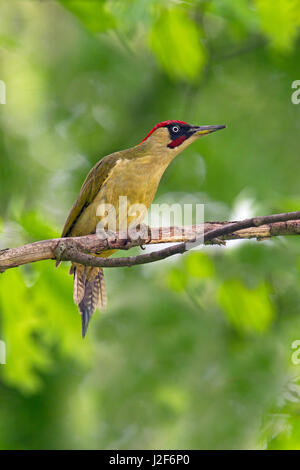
point(194, 352)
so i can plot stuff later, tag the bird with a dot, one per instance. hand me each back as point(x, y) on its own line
point(134, 173)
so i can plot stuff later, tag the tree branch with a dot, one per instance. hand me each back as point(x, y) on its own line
point(80, 249)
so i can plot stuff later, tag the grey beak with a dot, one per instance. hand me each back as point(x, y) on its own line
point(202, 130)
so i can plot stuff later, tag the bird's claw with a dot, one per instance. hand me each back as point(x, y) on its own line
point(140, 232)
point(58, 253)
point(106, 234)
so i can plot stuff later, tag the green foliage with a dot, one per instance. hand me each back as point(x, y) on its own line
point(249, 310)
point(239, 17)
point(176, 40)
point(199, 265)
point(193, 268)
point(93, 14)
point(193, 352)
point(280, 21)
point(19, 323)
point(35, 323)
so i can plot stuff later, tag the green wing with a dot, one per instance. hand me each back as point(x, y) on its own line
point(90, 188)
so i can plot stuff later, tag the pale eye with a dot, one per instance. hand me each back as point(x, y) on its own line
point(175, 128)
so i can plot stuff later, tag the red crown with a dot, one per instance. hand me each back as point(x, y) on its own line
point(162, 124)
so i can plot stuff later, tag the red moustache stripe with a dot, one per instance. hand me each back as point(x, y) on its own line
point(177, 141)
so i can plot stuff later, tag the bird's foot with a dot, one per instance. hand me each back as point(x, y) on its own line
point(140, 233)
point(137, 235)
point(59, 252)
point(106, 234)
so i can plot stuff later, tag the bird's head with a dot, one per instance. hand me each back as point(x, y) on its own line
point(171, 137)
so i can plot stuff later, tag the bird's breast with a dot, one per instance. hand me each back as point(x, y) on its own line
point(125, 196)
point(135, 179)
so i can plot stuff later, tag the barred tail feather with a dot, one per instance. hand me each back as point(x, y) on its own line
point(89, 292)
point(88, 304)
point(79, 283)
point(102, 302)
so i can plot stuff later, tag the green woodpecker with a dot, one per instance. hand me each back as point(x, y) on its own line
point(134, 173)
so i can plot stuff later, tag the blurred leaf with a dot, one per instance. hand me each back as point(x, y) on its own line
point(199, 265)
point(285, 433)
point(36, 226)
point(247, 310)
point(8, 41)
point(280, 21)
point(92, 13)
point(173, 397)
point(289, 204)
point(177, 279)
point(176, 41)
point(238, 16)
point(41, 315)
point(24, 356)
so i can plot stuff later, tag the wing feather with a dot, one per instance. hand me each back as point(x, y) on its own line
point(90, 188)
